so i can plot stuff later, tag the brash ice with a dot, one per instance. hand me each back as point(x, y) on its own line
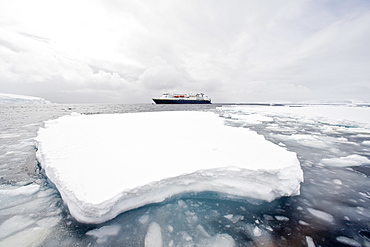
point(104, 165)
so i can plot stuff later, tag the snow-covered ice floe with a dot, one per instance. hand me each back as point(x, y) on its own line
point(104, 165)
point(21, 99)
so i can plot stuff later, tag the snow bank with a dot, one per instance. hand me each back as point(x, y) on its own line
point(107, 164)
point(21, 99)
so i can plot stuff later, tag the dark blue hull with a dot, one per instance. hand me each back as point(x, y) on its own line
point(180, 101)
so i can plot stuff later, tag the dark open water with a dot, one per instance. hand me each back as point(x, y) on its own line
point(332, 210)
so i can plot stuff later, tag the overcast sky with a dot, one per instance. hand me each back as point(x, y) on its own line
point(118, 51)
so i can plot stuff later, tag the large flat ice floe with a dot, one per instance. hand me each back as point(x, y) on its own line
point(104, 165)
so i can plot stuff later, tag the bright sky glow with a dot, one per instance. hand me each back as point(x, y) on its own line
point(240, 51)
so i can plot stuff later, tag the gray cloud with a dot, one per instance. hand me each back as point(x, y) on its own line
point(127, 52)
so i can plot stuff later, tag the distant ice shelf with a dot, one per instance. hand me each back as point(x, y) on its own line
point(21, 99)
point(104, 165)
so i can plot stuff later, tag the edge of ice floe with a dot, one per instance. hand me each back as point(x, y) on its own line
point(221, 180)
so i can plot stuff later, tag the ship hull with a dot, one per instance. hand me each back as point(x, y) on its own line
point(180, 101)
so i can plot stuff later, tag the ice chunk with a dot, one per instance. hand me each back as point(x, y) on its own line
point(153, 237)
point(351, 160)
point(281, 218)
point(229, 216)
point(48, 221)
point(308, 140)
point(27, 238)
point(24, 190)
point(257, 232)
point(144, 219)
point(104, 232)
point(75, 114)
point(367, 143)
point(310, 242)
point(220, 240)
point(337, 181)
point(234, 218)
point(303, 223)
point(348, 241)
point(107, 164)
point(14, 224)
point(203, 231)
point(321, 215)
point(252, 118)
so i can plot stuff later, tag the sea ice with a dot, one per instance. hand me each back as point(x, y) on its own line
point(367, 143)
point(104, 165)
point(281, 218)
point(144, 219)
point(348, 241)
point(341, 114)
point(153, 237)
point(308, 140)
point(104, 232)
point(303, 223)
point(27, 238)
point(23, 190)
point(351, 160)
point(14, 224)
point(220, 240)
point(310, 242)
point(257, 232)
point(337, 181)
point(252, 118)
point(234, 218)
point(321, 215)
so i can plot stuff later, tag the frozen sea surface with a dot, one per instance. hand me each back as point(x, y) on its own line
point(333, 208)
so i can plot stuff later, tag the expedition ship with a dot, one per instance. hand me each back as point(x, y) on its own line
point(168, 98)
